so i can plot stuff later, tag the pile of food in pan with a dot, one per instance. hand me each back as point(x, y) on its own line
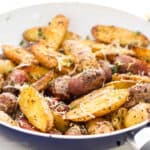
point(56, 82)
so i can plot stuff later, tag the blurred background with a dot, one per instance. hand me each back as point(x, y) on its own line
point(136, 7)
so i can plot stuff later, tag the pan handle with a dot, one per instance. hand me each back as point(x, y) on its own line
point(141, 139)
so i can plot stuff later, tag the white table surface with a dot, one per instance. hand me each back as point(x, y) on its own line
point(139, 8)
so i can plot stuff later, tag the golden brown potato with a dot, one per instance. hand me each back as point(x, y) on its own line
point(37, 33)
point(122, 84)
point(117, 118)
point(18, 55)
point(34, 72)
point(110, 34)
point(142, 53)
point(96, 104)
point(50, 58)
point(137, 114)
point(60, 123)
point(71, 36)
point(7, 119)
point(109, 52)
point(35, 108)
point(6, 66)
point(43, 82)
point(81, 54)
point(99, 126)
point(52, 34)
point(131, 77)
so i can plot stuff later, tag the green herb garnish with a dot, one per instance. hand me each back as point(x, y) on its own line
point(87, 37)
point(138, 33)
point(21, 42)
point(114, 69)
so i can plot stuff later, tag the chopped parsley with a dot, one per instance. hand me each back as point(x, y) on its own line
point(21, 42)
point(138, 33)
point(87, 37)
point(40, 32)
point(114, 69)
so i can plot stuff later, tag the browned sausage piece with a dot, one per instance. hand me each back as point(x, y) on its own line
point(8, 102)
point(23, 122)
point(18, 77)
point(86, 81)
point(129, 64)
point(138, 93)
point(76, 129)
point(107, 70)
point(60, 87)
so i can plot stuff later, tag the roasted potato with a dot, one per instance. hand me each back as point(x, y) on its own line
point(6, 66)
point(4, 118)
point(98, 126)
point(52, 34)
point(60, 123)
point(43, 82)
point(137, 114)
point(118, 117)
point(122, 84)
point(35, 108)
point(96, 104)
point(81, 54)
point(34, 72)
point(136, 78)
point(110, 34)
point(142, 53)
point(50, 58)
point(18, 55)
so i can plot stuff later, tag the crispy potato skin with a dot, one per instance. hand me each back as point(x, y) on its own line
point(137, 114)
point(129, 64)
point(101, 102)
point(18, 55)
point(36, 109)
point(99, 126)
point(121, 84)
point(136, 78)
point(6, 66)
point(118, 117)
point(110, 34)
point(53, 34)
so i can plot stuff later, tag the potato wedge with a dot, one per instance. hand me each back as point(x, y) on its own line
point(142, 53)
point(81, 54)
point(110, 52)
point(131, 77)
point(18, 55)
point(34, 72)
point(6, 66)
point(50, 58)
point(71, 36)
point(96, 105)
point(60, 123)
point(7, 119)
point(122, 84)
point(43, 82)
point(37, 33)
point(117, 118)
point(99, 126)
point(35, 108)
point(110, 34)
point(52, 34)
point(137, 114)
